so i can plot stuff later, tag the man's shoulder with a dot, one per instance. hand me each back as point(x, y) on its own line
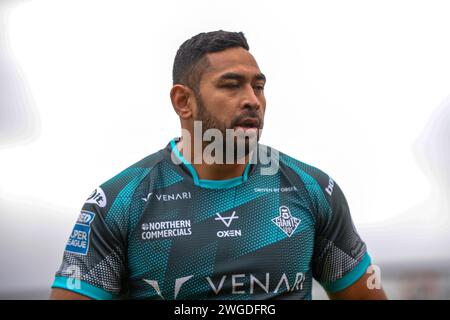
point(308, 173)
point(317, 182)
point(126, 181)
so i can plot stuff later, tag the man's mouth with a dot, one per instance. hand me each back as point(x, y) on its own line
point(247, 124)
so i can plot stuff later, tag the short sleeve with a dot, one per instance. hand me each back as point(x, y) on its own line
point(93, 262)
point(340, 256)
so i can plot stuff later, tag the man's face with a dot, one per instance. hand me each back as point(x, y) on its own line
point(231, 93)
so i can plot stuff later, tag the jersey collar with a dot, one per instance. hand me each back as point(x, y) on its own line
point(210, 184)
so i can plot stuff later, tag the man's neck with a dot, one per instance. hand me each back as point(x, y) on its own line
point(214, 171)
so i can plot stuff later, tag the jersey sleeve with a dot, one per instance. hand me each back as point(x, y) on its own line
point(93, 262)
point(340, 256)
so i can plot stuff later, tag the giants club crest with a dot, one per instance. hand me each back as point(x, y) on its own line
point(286, 222)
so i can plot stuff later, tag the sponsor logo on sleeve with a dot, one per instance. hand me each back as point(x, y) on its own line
point(329, 188)
point(79, 239)
point(97, 197)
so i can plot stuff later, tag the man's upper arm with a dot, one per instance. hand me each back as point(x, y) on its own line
point(360, 290)
point(61, 294)
point(340, 260)
point(93, 261)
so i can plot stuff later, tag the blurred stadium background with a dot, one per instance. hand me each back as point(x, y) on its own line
point(359, 89)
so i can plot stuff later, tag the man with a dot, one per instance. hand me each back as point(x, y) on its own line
point(193, 221)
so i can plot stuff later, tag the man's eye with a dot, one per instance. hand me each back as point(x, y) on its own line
point(231, 85)
point(259, 88)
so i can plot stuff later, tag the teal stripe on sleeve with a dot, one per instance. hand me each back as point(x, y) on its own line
point(85, 288)
point(350, 277)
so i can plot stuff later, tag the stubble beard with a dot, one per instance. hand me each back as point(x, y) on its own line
point(238, 146)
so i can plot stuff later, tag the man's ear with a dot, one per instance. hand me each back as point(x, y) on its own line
point(182, 99)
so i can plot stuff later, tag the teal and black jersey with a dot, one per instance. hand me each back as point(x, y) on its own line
point(157, 231)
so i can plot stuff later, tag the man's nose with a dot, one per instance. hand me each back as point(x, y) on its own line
point(250, 99)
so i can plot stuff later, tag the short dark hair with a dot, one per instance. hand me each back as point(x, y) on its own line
point(190, 61)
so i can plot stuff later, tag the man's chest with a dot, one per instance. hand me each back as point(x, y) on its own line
point(191, 244)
